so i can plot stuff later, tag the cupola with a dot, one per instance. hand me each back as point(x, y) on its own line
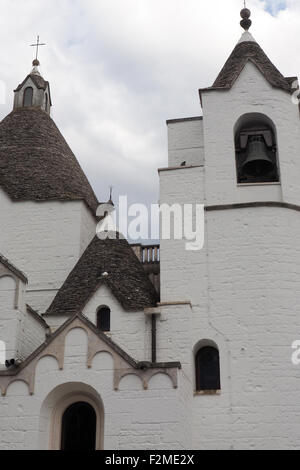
point(34, 91)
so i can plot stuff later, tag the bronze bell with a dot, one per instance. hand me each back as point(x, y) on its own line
point(258, 162)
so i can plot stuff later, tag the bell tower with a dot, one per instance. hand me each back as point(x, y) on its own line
point(256, 150)
point(250, 129)
point(242, 151)
point(34, 91)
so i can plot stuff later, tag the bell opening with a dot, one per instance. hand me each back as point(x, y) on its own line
point(256, 150)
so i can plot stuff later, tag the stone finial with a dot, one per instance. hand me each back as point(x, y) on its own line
point(246, 22)
point(35, 70)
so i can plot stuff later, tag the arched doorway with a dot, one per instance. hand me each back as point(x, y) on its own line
point(54, 409)
point(79, 423)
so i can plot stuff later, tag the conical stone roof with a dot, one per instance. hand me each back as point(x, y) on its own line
point(36, 162)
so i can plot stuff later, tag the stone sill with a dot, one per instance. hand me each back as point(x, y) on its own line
point(166, 304)
point(172, 168)
point(207, 393)
point(239, 185)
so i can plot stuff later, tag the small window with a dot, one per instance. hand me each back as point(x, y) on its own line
point(103, 319)
point(46, 102)
point(208, 369)
point(28, 97)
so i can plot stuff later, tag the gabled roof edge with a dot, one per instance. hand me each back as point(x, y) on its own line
point(132, 362)
point(13, 269)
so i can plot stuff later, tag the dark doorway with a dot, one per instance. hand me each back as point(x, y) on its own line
point(79, 427)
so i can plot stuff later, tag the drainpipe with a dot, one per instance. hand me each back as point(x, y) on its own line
point(154, 357)
point(151, 314)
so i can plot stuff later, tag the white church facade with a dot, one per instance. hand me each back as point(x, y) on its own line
point(200, 361)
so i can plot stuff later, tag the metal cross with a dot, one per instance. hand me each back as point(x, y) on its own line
point(37, 45)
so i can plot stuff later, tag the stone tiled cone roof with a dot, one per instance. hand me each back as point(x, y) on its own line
point(242, 53)
point(126, 278)
point(36, 163)
point(37, 80)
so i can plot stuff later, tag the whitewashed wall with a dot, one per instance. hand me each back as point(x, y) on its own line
point(244, 286)
point(185, 141)
point(250, 94)
point(21, 332)
point(31, 335)
point(134, 418)
point(9, 315)
point(45, 241)
point(130, 330)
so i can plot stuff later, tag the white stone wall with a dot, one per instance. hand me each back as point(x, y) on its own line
point(130, 330)
point(21, 332)
point(88, 228)
point(245, 291)
point(134, 418)
point(186, 141)
point(179, 268)
point(9, 315)
point(244, 286)
point(45, 241)
point(253, 293)
point(31, 335)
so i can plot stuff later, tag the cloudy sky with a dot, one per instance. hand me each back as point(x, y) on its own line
point(119, 69)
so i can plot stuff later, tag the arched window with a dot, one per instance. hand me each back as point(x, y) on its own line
point(208, 369)
point(256, 149)
point(79, 427)
point(46, 102)
point(103, 319)
point(28, 96)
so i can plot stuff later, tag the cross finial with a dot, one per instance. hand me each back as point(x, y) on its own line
point(37, 45)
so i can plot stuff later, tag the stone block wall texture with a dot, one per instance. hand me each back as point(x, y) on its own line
point(134, 418)
point(186, 142)
point(45, 241)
